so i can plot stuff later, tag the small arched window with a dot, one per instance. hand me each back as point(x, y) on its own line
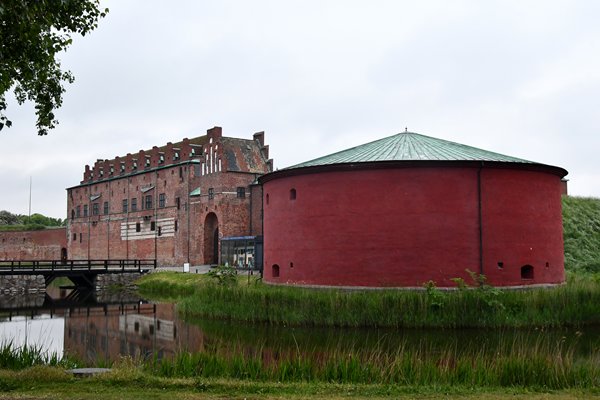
point(267, 198)
point(527, 272)
point(275, 271)
point(292, 194)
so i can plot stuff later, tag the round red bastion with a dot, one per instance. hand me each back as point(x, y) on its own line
point(408, 209)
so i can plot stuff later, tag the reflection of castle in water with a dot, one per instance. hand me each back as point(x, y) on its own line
point(138, 330)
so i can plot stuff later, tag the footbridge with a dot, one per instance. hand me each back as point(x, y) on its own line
point(82, 273)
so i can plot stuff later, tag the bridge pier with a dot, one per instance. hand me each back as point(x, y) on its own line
point(22, 284)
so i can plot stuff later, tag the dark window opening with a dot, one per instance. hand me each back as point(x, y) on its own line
point(138, 227)
point(175, 228)
point(105, 207)
point(136, 326)
point(211, 193)
point(72, 214)
point(152, 226)
point(547, 265)
point(291, 265)
point(275, 271)
point(177, 203)
point(267, 198)
point(292, 194)
point(80, 238)
point(159, 231)
point(134, 205)
point(162, 200)
point(500, 265)
point(241, 192)
point(74, 237)
point(527, 272)
point(95, 209)
point(78, 211)
point(124, 205)
point(148, 204)
point(85, 210)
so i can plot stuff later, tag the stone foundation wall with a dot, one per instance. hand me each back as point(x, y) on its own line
point(22, 284)
point(127, 280)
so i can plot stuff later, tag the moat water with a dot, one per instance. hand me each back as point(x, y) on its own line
point(99, 329)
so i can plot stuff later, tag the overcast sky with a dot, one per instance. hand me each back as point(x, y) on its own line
point(520, 78)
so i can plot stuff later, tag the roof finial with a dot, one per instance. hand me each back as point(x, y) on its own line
point(406, 129)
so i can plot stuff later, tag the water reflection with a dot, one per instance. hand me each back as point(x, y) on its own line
point(97, 328)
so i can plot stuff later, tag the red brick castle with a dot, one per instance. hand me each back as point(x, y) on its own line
point(175, 203)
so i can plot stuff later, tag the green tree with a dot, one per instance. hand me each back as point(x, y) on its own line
point(32, 32)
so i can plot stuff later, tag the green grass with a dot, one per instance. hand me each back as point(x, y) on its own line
point(20, 357)
point(515, 363)
point(130, 382)
point(573, 304)
point(581, 222)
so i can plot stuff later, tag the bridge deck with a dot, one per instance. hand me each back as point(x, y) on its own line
point(44, 267)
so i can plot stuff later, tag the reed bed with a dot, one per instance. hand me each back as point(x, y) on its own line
point(19, 357)
point(573, 304)
point(515, 363)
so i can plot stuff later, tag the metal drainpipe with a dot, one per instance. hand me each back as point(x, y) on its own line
point(155, 215)
point(187, 210)
point(480, 218)
point(108, 223)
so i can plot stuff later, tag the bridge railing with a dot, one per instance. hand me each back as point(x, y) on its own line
point(17, 266)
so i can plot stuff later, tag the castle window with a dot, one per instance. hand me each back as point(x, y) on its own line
point(161, 200)
point(80, 237)
point(78, 211)
point(72, 214)
point(211, 193)
point(527, 272)
point(292, 194)
point(138, 227)
point(177, 203)
point(175, 227)
point(85, 210)
point(134, 204)
point(152, 226)
point(74, 237)
point(125, 205)
point(159, 231)
point(105, 207)
point(267, 198)
point(241, 192)
point(275, 271)
point(95, 209)
point(148, 204)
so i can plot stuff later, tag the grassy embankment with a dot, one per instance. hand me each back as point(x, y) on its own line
point(574, 304)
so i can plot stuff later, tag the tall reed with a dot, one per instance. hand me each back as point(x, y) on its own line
point(514, 363)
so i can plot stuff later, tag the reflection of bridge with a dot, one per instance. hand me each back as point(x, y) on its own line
point(82, 273)
point(76, 300)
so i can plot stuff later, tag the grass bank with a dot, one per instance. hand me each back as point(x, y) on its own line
point(126, 382)
point(239, 373)
point(581, 224)
point(573, 304)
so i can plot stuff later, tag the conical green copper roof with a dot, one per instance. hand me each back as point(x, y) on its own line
point(409, 146)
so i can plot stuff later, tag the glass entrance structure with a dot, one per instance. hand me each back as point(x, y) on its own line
point(242, 252)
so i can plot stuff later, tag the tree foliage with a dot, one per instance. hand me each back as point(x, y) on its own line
point(32, 32)
point(23, 221)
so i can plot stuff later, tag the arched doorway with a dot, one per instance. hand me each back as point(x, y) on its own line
point(211, 239)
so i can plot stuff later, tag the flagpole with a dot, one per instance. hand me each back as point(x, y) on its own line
point(29, 219)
